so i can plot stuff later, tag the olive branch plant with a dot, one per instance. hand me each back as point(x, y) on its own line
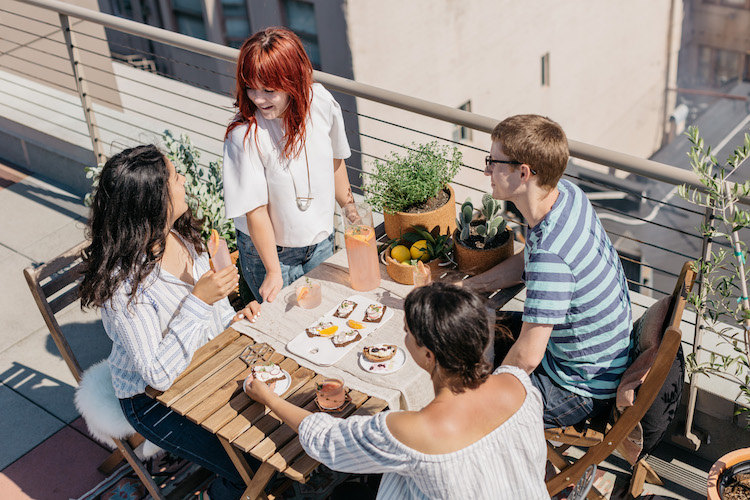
point(723, 293)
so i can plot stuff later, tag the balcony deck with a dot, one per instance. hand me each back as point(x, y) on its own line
point(46, 452)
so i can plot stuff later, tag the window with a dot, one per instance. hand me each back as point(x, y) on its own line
point(545, 70)
point(122, 8)
point(460, 133)
point(188, 16)
point(236, 22)
point(717, 67)
point(300, 18)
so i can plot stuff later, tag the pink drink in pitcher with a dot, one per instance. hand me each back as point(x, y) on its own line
point(361, 248)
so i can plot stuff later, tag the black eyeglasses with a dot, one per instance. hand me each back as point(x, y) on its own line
point(488, 161)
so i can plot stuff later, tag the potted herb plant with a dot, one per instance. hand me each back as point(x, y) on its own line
point(481, 242)
point(403, 253)
point(412, 189)
point(723, 292)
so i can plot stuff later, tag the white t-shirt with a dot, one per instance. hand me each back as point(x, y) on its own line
point(256, 173)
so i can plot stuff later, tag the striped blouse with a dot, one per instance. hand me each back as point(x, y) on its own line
point(507, 463)
point(154, 338)
point(575, 281)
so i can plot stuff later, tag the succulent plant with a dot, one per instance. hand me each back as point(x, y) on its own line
point(492, 224)
point(464, 219)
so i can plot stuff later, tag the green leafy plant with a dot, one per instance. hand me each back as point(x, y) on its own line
point(491, 225)
point(723, 294)
point(404, 180)
point(204, 186)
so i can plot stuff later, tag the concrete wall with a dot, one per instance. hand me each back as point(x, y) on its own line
point(608, 65)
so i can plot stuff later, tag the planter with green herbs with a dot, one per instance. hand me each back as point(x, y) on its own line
point(400, 255)
point(481, 242)
point(412, 189)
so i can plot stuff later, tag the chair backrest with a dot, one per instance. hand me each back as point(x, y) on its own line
point(54, 286)
point(648, 391)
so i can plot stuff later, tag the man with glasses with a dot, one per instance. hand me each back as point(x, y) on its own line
point(574, 335)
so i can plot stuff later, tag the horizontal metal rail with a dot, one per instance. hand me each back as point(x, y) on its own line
point(628, 163)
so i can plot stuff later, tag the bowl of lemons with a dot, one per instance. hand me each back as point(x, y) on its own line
point(400, 255)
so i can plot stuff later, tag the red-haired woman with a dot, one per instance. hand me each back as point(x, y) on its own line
point(283, 163)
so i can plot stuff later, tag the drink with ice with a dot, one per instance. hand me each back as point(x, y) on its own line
point(330, 394)
point(218, 252)
point(361, 247)
point(309, 294)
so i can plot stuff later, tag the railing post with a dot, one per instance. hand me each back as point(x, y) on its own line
point(689, 439)
point(83, 92)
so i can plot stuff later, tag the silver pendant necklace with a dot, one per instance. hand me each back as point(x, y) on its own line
point(303, 202)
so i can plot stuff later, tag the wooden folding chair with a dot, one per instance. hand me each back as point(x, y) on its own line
point(54, 286)
point(601, 444)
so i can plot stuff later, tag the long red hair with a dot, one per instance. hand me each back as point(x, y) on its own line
point(274, 59)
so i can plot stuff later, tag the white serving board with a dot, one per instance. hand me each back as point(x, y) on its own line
point(320, 350)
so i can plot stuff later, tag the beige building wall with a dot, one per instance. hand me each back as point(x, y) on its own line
point(608, 65)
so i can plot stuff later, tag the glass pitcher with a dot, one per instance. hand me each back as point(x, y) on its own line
point(361, 247)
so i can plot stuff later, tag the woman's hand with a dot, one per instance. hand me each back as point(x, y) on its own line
point(214, 286)
point(258, 390)
point(271, 286)
point(250, 312)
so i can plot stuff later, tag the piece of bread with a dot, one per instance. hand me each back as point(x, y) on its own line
point(343, 339)
point(314, 331)
point(379, 352)
point(345, 309)
point(374, 313)
point(268, 373)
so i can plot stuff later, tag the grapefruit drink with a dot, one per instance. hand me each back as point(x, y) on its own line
point(362, 254)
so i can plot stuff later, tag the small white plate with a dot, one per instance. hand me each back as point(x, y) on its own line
point(392, 365)
point(281, 385)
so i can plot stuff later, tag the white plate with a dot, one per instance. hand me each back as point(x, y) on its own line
point(320, 350)
point(281, 385)
point(392, 365)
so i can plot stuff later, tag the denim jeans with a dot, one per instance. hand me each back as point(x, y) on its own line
point(561, 407)
point(179, 436)
point(295, 261)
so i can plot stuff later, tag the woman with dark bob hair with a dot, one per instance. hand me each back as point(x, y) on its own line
point(480, 438)
point(148, 271)
point(284, 166)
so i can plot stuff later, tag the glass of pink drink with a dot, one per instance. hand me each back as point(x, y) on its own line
point(361, 247)
point(309, 294)
point(330, 394)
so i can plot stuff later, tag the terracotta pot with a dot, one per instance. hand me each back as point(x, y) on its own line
point(475, 261)
point(720, 466)
point(443, 217)
point(404, 273)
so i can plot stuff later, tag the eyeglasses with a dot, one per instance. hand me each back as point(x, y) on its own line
point(488, 161)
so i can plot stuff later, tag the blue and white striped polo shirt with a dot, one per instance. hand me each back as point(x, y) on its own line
point(574, 280)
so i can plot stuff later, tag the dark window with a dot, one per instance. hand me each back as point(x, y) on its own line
point(545, 70)
point(236, 22)
point(188, 15)
point(122, 8)
point(300, 18)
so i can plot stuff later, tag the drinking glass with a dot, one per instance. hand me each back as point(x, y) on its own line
point(330, 394)
point(309, 295)
point(422, 275)
point(361, 247)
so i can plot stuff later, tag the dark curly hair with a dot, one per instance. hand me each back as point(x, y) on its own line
point(128, 224)
point(452, 323)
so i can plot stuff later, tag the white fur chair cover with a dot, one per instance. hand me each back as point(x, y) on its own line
point(96, 402)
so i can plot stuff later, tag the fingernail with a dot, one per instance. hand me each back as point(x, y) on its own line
point(241, 316)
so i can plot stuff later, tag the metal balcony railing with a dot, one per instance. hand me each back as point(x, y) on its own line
point(64, 75)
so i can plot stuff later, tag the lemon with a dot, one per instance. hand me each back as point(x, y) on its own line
point(400, 253)
point(419, 251)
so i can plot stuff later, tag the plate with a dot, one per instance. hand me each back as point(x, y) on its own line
point(281, 385)
point(392, 365)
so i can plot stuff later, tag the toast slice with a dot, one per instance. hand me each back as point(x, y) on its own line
point(269, 373)
point(322, 329)
point(379, 352)
point(345, 309)
point(374, 313)
point(343, 339)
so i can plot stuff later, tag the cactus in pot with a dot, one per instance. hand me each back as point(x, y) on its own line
point(481, 242)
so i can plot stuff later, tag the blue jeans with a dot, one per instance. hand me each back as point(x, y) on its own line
point(295, 261)
point(561, 407)
point(179, 436)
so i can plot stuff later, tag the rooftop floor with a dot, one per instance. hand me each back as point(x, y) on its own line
point(41, 432)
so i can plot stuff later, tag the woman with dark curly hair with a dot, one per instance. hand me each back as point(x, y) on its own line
point(148, 271)
point(481, 437)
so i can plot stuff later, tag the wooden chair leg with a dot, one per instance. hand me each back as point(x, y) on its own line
point(139, 469)
point(642, 472)
point(556, 458)
point(595, 494)
point(110, 464)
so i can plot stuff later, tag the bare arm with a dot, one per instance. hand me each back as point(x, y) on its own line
point(341, 180)
point(292, 415)
point(527, 352)
point(261, 231)
point(503, 275)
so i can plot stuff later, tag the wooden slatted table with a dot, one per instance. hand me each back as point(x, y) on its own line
point(210, 394)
